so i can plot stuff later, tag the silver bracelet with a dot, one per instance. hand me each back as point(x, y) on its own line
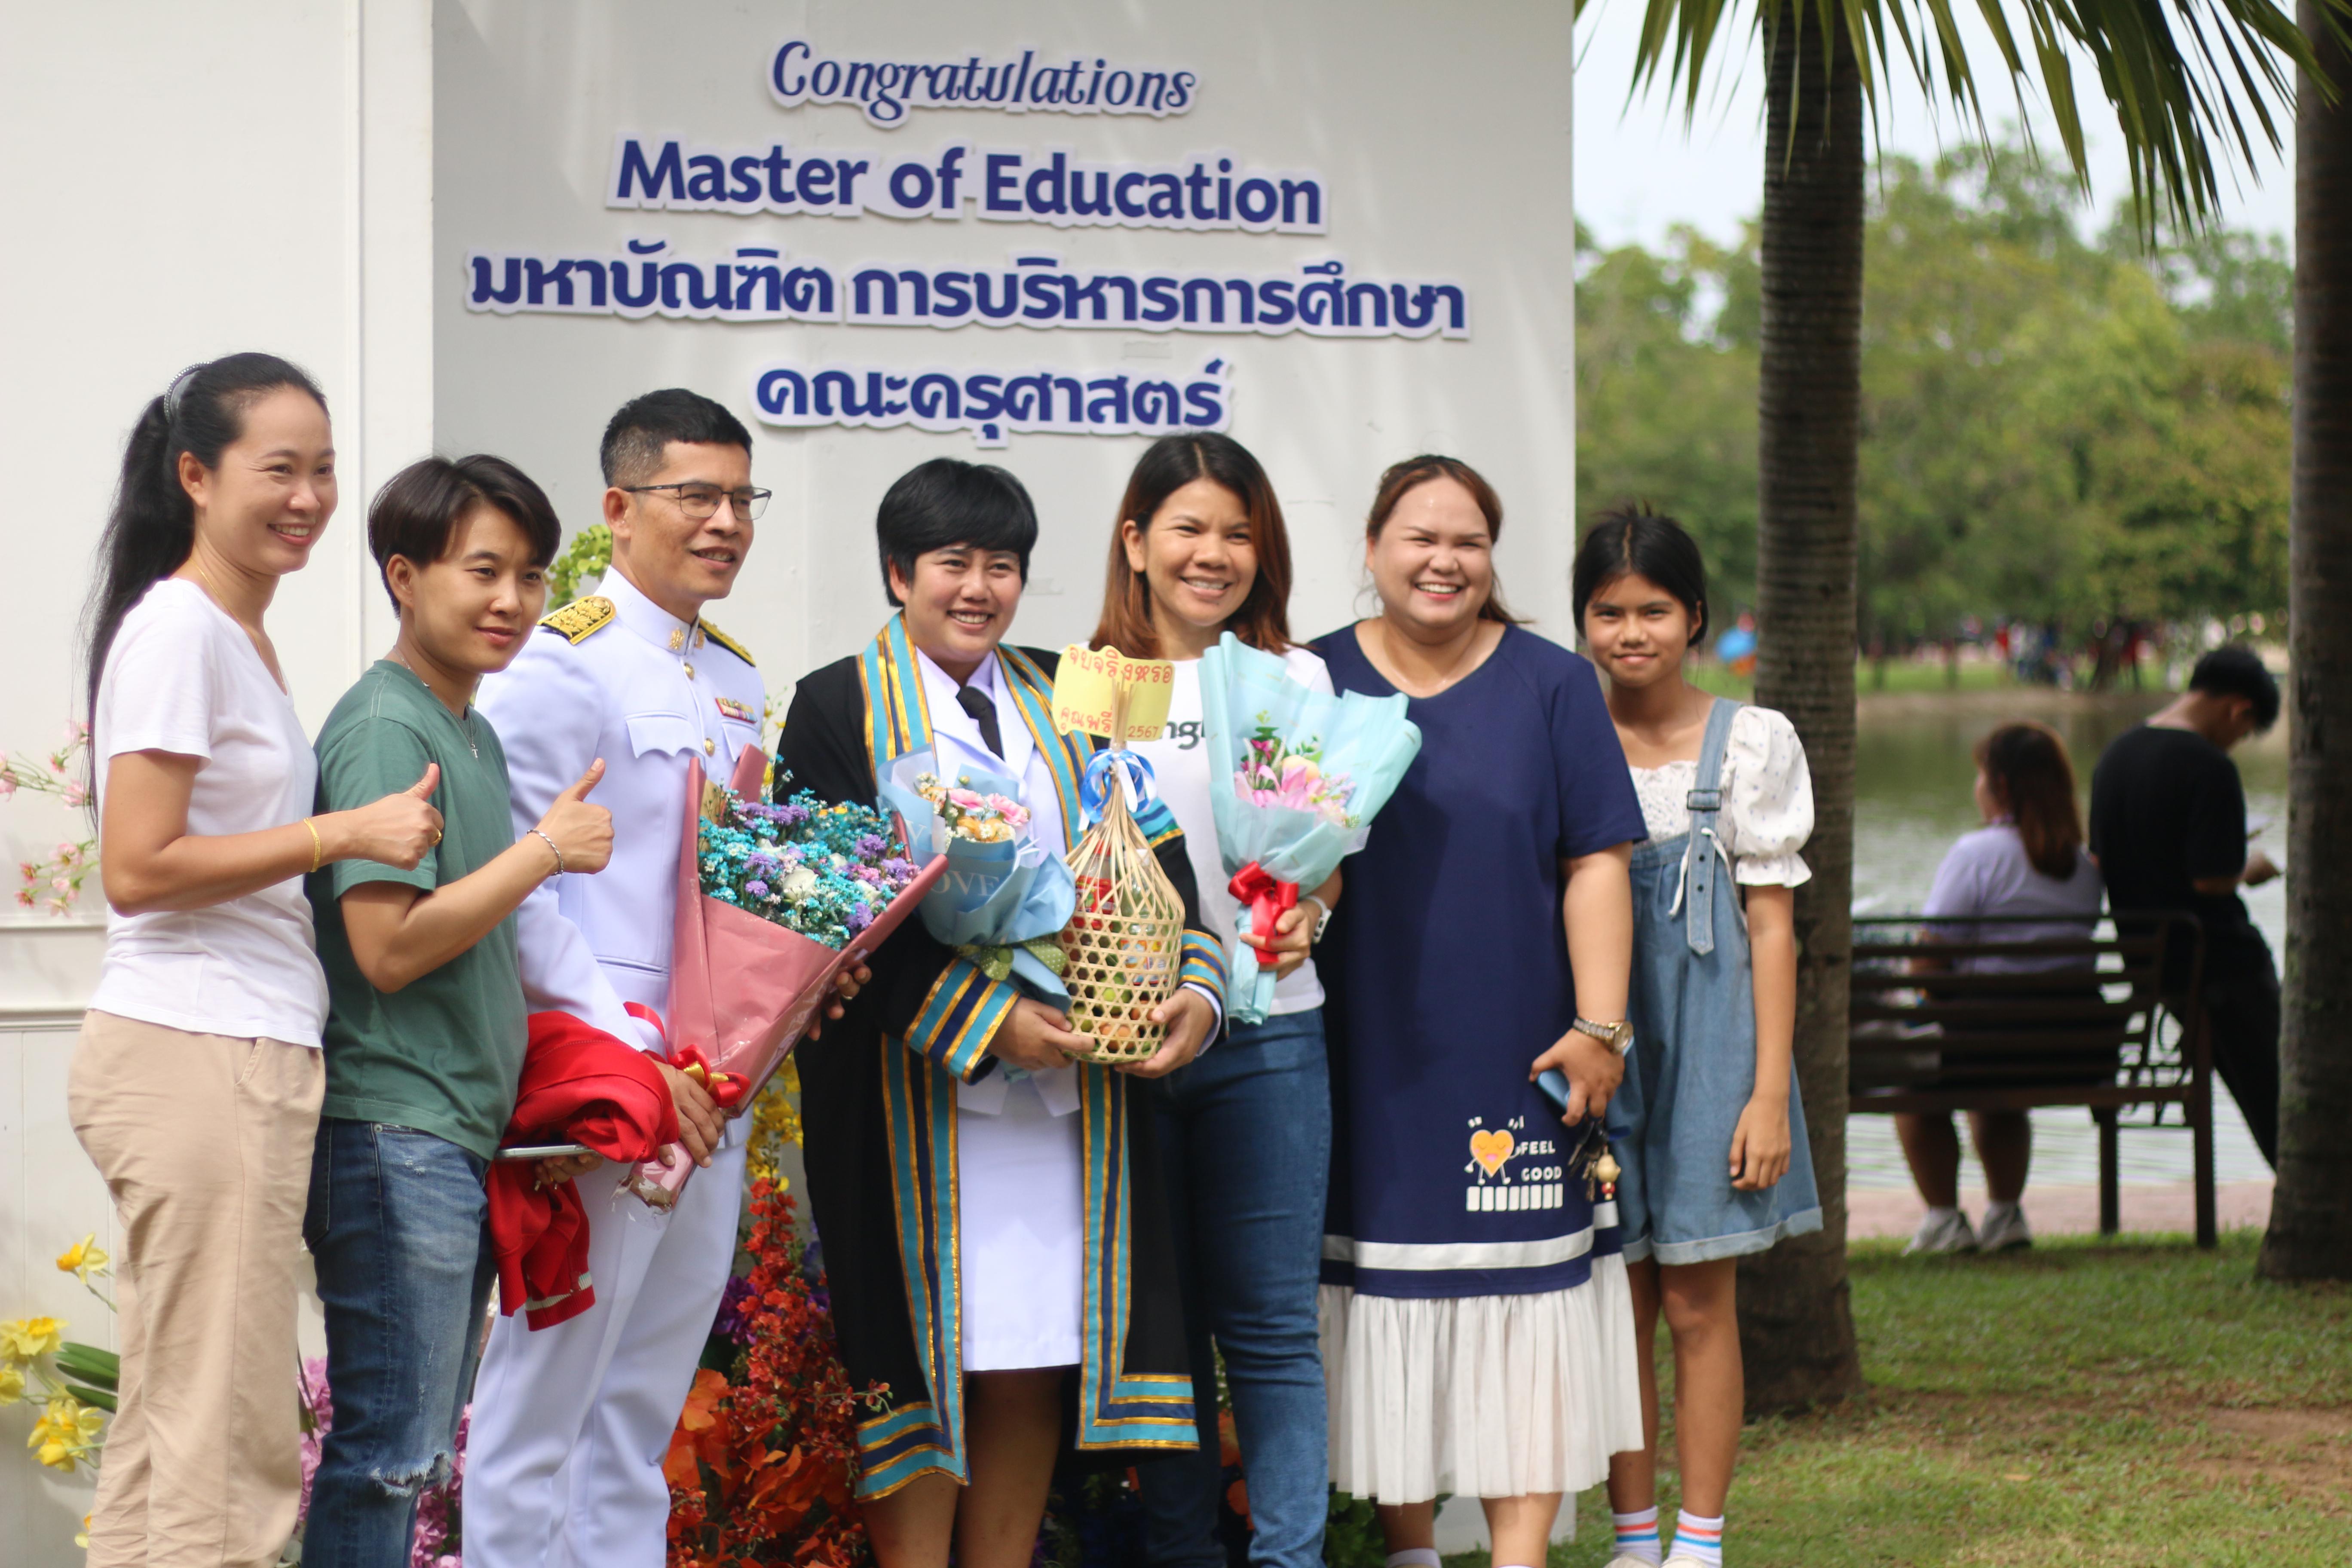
point(543, 838)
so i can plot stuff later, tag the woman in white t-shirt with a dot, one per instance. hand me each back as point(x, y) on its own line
point(196, 1081)
point(2028, 865)
point(1246, 1128)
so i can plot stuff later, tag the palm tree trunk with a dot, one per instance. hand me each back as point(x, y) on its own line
point(1796, 1321)
point(2310, 1233)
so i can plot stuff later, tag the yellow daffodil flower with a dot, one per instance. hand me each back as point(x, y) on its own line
point(12, 1385)
point(81, 1537)
point(22, 1339)
point(83, 1258)
point(67, 1430)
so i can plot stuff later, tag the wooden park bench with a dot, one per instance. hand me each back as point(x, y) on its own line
point(1926, 1039)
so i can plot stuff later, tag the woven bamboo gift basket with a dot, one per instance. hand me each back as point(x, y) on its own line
point(1126, 943)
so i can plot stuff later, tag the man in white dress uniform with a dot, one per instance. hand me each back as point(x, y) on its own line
point(570, 1422)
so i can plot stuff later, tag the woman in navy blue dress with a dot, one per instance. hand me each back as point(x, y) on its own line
point(1477, 1330)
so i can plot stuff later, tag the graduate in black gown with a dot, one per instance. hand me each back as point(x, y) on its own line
point(995, 1240)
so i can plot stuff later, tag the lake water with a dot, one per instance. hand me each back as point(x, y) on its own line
point(1913, 775)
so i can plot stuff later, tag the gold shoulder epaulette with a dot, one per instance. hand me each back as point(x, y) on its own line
point(729, 644)
point(581, 618)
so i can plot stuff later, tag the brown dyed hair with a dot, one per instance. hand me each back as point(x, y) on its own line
point(1262, 621)
point(2027, 766)
point(1402, 479)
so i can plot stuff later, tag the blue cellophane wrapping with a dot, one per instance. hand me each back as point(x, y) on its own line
point(992, 895)
point(1369, 738)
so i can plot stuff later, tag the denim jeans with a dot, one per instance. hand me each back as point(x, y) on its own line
point(397, 1228)
point(1246, 1136)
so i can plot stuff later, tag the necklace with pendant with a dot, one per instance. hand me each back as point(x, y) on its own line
point(465, 724)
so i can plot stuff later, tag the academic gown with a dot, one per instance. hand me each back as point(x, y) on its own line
point(879, 1110)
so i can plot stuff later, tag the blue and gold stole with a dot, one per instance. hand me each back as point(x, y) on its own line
point(946, 1044)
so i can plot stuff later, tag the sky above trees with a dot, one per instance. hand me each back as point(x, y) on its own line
point(1639, 173)
point(2056, 426)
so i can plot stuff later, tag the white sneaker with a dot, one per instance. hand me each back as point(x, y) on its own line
point(2004, 1229)
point(1944, 1230)
point(1627, 1560)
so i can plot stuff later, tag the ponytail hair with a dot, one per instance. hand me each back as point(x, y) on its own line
point(152, 524)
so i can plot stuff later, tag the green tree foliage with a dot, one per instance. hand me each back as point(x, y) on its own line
point(2052, 428)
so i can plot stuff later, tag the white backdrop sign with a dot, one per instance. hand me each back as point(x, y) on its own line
point(1035, 235)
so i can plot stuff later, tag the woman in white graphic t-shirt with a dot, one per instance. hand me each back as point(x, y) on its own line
point(1198, 550)
point(196, 1081)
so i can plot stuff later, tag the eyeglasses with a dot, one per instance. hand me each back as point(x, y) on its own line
point(701, 501)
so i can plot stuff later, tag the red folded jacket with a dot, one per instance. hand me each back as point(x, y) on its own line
point(580, 1085)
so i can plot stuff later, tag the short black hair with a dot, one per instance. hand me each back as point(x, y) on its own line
point(947, 501)
point(642, 429)
point(417, 512)
point(2234, 669)
point(1633, 540)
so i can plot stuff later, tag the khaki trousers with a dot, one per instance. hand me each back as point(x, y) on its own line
point(205, 1141)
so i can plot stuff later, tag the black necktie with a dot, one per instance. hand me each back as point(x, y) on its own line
point(974, 701)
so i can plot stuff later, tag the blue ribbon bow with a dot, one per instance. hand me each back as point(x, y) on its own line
point(1094, 785)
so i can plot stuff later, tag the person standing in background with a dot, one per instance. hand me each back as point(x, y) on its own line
point(2168, 831)
point(1245, 1129)
point(1715, 1162)
point(2027, 860)
point(196, 1081)
point(1478, 1329)
point(570, 1422)
point(426, 1026)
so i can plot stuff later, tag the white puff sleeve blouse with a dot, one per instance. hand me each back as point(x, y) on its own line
point(1767, 799)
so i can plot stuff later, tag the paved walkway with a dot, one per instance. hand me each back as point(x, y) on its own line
point(2067, 1209)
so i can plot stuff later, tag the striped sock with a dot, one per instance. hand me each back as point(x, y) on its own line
point(1637, 1534)
point(1414, 1557)
point(1700, 1540)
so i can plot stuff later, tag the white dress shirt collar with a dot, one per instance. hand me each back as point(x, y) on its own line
point(955, 734)
point(642, 617)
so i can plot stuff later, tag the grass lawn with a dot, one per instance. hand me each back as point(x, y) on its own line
point(2127, 1402)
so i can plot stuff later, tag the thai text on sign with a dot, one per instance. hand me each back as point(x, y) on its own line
point(1090, 685)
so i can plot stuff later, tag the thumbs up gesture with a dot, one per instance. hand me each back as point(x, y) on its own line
point(581, 833)
point(399, 828)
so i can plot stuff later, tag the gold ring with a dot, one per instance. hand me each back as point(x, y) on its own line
point(436, 837)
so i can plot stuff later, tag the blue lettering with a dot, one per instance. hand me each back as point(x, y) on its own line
point(664, 181)
point(745, 171)
point(709, 180)
point(814, 181)
point(1311, 193)
point(1054, 177)
point(1002, 194)
point(911, 186)
point(798, 84)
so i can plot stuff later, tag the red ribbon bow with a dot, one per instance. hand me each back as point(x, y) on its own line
point(725, 1088)
point(1268, 900)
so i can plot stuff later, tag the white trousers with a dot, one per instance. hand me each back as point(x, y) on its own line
point(571, 1422)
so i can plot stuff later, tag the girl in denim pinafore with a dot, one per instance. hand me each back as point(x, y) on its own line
point(1714, 1160)
point(1693, 1071)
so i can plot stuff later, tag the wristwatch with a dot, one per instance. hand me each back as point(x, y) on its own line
point(1323, 920)
point(1617, 1036)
